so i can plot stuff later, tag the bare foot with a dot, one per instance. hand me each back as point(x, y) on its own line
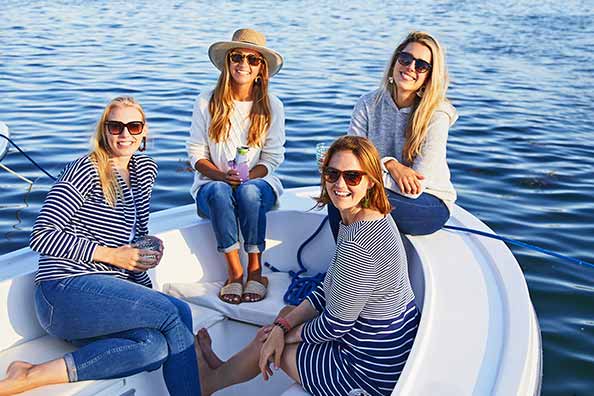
point(16, 379)
point(205, 343)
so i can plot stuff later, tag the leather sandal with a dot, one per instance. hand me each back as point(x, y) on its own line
point(255, 288)
point(235, 290)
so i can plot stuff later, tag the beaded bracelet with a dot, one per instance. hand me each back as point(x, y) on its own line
point(283, 324)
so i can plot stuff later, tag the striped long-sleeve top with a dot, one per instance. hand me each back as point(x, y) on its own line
point(367, 314)
point(75, 219)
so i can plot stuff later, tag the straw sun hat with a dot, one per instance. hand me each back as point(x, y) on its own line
point(246, 38)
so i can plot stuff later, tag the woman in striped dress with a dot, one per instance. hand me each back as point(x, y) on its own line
point(355, 332)
point(92, 286)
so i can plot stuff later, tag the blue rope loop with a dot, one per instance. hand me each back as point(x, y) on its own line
point(27, 156)
point(301, 286)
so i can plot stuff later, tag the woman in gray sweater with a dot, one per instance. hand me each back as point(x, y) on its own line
point(407, 119)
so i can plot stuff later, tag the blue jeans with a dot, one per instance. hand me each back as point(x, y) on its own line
point(421, 216)
point(122, 328)
point(230, 209)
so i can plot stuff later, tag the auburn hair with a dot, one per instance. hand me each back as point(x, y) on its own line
point(370, 162)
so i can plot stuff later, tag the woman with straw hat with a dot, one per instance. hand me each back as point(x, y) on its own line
point(239, 114)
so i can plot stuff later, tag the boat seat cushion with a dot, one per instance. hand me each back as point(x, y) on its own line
point(206, 294)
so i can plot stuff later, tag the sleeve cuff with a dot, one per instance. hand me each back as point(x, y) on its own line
point(88, 251)
point(268, 167)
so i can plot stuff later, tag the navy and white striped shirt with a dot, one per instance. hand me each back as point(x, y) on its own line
point(368, 318)
point(75, 219)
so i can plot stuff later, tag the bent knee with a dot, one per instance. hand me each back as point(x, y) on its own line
point(155, 349)
point(248, 192)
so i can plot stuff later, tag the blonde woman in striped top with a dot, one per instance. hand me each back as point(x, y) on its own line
point(92, 286)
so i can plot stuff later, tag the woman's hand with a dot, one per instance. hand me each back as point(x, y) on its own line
point(128, 257)
point(406, 178)
point(272, 349)
point(232, 177)
point(294, 336)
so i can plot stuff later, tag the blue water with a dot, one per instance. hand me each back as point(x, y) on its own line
point(521, 153)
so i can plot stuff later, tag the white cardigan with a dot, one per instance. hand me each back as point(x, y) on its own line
point(271, 154)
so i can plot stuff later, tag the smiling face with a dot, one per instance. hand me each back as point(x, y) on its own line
point(406, 78)
point(124, 145)
point(346, 198)
point(242, 73)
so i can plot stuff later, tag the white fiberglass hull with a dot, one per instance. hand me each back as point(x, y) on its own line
point(478, 333)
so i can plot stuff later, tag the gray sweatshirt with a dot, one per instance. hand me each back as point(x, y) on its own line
point(384, 124)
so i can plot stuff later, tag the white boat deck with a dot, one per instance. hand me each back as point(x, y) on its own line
point(478, 333)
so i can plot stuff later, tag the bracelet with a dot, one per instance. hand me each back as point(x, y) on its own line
point(283, 324)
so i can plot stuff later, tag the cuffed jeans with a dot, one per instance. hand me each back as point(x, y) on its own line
point(122, 328)
point(230, 209)
point(421, 216)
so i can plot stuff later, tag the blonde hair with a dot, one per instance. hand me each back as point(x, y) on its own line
point(101, 151)
point(369, 159)
point(221, 106)
point(431, 95)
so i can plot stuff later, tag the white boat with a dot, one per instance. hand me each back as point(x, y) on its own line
point(478, 334)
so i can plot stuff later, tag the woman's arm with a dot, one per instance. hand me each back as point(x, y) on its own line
point(273, 148)
point(353, 281)
point(49, 238)
point(359, 120)
point(433, 150)
point(404, 180)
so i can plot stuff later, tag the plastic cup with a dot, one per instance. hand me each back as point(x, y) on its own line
point(149, 242)
point(321, 149)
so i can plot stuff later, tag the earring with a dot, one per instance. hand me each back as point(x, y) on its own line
point(365, 202)
point(421, 92)
point(257, 80)
point(390, 80)
point(143, 146)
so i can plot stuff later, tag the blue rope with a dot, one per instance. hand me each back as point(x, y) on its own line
point(301, 286)
point(519, 243)
point(26, 156)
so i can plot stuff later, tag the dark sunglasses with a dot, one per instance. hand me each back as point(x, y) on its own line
point(117, 127)
point(252, 59)
point(421, 66)
point(351, 177)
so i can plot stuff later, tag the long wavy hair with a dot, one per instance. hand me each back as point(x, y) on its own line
point(101, 151)
point(429, 97)
point(221, 106)
point(369, 158)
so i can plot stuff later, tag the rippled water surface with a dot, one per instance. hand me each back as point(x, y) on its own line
point(522, 79)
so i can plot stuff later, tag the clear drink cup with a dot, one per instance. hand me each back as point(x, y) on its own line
point(148, 242)
point(321, 149)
